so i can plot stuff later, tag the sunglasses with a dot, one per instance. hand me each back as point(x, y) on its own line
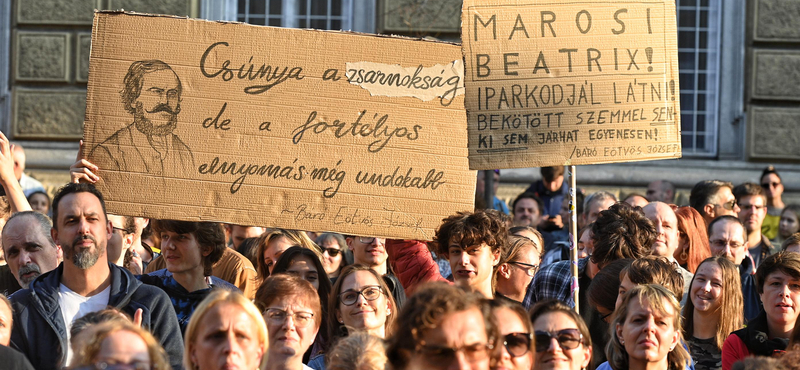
point(567, 339)
point(729, 205)
point(333, 252)
point(768, 184)
point(517, 344)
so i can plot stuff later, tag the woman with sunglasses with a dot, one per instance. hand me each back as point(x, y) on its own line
point(773, 190)
point(334, 250)
point(646, 332)
point(518, 263)
point(562, 338)
point(515, 334)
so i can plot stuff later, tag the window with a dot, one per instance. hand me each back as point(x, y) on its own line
point(319, 14)
point(698, 58)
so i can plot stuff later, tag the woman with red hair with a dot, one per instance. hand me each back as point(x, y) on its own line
point(693, 248)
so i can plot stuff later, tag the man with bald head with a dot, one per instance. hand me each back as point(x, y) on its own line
point(661, 191)
point(28, 184)
point(666, 222)
point(727, 238)
point(29, 248)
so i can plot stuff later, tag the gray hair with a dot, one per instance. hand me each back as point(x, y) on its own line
point(326, 237)
point(597, 197)
point(44, 223)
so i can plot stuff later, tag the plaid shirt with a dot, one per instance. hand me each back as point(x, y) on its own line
point(554, 282)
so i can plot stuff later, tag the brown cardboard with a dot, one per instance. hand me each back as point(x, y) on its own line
point(565, 83)
point(263, 149)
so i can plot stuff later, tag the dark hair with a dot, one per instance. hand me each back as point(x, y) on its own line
point(135, 79)
point(285, 261)
point(528, 195)
point(49, 201)
point(655, 270)
point(73, 188)
point(472, 228)
point(279, 286)
point(725, 218)
point(785, 262)
point(793, 239)
point(770, 170)
point(249, 248)
point(338, 330)
point(425, 310)
point(704, 193)
point(604, 288)
point(549, 174)
point(621, 232)
point(748, 188)
point(553, 305)
point(208, 234)
point(517, 309)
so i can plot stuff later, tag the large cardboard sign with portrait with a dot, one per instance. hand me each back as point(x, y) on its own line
point(303, 129)
point(552, 83)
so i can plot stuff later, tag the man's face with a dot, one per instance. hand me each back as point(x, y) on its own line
point(727, 240)
point(158, 104)
point(240, 233)
point(458, 330)
point(118, 242)
point(666, 223)
point(752, 211)
point(28, 252)
point(480, 185)
point(368, 250)
point(657, 193)
point(473, 265)
point(593, 209)
point(526, 213)
point(726, 203)
point(555, 184)
point(82, 230)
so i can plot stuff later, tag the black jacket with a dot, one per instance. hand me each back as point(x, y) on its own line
point(40, 332)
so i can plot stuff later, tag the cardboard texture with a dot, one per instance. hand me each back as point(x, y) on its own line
point(251, 125)
point(564, 83)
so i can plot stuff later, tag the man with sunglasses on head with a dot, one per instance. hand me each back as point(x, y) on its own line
point(753, 209)
point(371, 251)
point(713, 198)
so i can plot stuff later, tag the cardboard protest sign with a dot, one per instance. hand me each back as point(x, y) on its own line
point(303, 129)
point(552, 83)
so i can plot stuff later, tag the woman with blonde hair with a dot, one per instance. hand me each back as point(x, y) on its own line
point(646, 332)
point(518, 264)
point(120, 342)
point(693, 246)
point(226, 328)
point(562, 339)
point(713, 311)
point(272, 243)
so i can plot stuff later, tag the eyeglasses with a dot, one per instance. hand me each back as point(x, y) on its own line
point(528, 268)
point(441, 356)
point(370, 293)
point(333, 252)
point(719, 243)
point(767, 185)
point(370, 240)
point(277, 316)
point(517, 344)
point(728, 205)
point(114, 228)
point(102, 365)
point(748, 206)
point(567, 339)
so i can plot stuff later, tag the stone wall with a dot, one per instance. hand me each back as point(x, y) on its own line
point(49, 61)
point(773, 92)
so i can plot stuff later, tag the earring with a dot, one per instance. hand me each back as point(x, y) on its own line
point(684, 255)
point(622, 342)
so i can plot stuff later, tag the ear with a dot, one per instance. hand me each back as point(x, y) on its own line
point(127, 240)
point(388, 308)
point(109, 229)
point(59, 252)
point(709, 210)
point(618, 330)
point(349, 242)
point(504, 270)
point(587, 357)
point(54, 235)
point(205, 251)
point(339, 316)
point(496, 257)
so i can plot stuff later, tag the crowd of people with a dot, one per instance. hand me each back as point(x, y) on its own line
point(703, 286)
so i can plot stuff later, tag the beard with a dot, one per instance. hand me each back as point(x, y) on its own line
point(31, 267)
point(147, 127)
point(85, 257)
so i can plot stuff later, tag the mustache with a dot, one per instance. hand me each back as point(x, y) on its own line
point(31, 267)
point(164, 108)
point(80, 238)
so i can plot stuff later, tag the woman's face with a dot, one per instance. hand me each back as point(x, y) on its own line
point(788, 224)
point(510, 324)
point(781, 299)
point(585, 244)
point(5, 324)
point(40, 203)
point(774, 187)
point(292, 327)
point(304, 268)
point(646, 334)
point(518, 270)
point(363, 314)
point(330, 262)
point(123, 347)
point(555, 356)
point(706, 289)
point(228, 338)
point(275, 248)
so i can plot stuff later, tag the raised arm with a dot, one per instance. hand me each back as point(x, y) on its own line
point(14, 194)
point(83, 170)
point(412, 263)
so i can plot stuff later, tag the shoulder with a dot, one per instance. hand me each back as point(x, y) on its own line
point(222, 284)
point(14, 359)
point(604, 366)
point(316, 363)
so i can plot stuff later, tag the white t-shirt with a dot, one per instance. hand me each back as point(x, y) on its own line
point(75, 306)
